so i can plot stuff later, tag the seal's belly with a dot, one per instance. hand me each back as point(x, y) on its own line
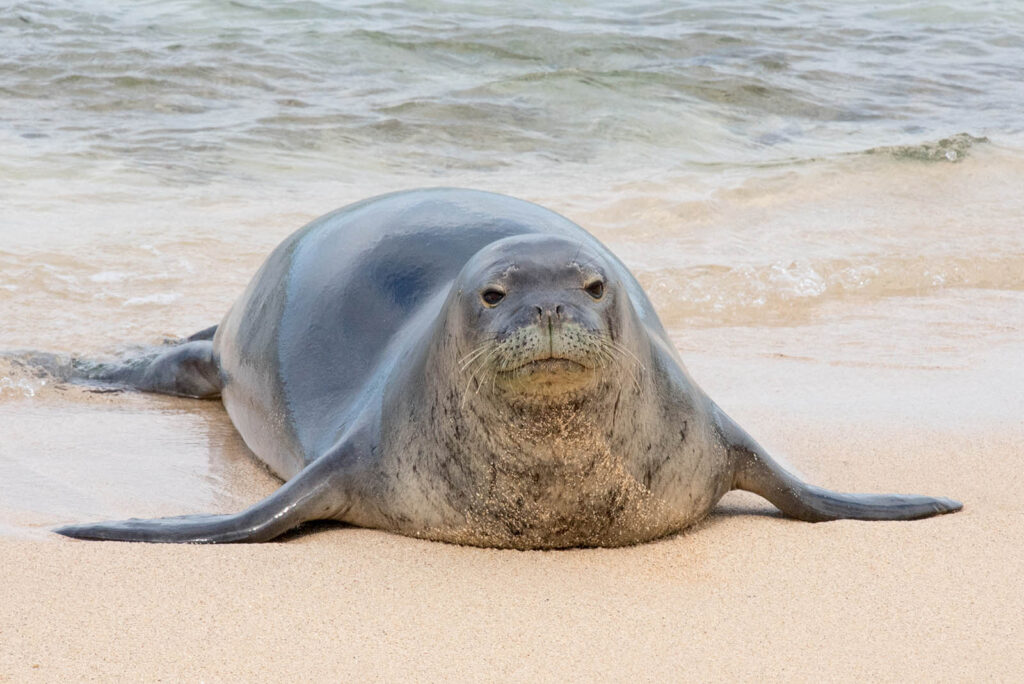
point(558, 476)
point(591, 501)
point(569, 515)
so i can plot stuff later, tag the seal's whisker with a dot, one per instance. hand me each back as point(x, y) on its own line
point(639, 365)
point(481, 355)
point(465, 392)
point(625, 350)
point(606, 356)
point(625, 356)
point(468, 359)
point(589, 261)
point(483, 366)
point(501, 364)
point(477, 364)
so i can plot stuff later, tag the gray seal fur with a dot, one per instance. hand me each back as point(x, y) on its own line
point(466, 367)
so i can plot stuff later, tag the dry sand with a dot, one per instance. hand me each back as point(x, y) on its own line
point(745, 595)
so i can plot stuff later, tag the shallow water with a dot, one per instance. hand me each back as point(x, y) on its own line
point(837, 184)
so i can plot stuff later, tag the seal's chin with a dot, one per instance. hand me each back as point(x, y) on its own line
point(548, 377)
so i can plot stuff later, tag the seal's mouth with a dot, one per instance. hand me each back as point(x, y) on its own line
point(550, 364)
point(550, 377)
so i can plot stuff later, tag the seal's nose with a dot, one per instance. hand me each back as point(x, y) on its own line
point(549, 313)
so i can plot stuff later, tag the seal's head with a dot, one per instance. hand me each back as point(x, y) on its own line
point(540, 317)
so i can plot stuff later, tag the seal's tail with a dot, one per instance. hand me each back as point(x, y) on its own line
point(185, 369)
point(756, 471)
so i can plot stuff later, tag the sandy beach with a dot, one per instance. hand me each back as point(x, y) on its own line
point(823, 201)
point(745, 595)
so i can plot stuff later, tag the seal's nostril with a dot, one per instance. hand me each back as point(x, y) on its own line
point(558, 310)
point(540, 312)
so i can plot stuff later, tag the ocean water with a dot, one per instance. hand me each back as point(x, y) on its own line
point(841, 182)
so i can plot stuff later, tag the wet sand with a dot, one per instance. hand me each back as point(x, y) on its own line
point(744, 595)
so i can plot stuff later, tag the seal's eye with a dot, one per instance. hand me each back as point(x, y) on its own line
point(492, 296)
point(595, 289)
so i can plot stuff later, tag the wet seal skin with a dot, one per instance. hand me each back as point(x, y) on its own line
point(466, 367)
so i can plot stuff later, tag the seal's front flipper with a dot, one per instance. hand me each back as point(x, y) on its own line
point(187, 370)
point(756, 471)
point(317, 493)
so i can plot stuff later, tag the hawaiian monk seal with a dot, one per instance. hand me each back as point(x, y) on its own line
point(467, 367)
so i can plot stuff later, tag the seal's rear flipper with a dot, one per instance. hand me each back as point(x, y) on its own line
point(187, 370)
point(313, 494)
point(204, 334)
point(756, 471)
